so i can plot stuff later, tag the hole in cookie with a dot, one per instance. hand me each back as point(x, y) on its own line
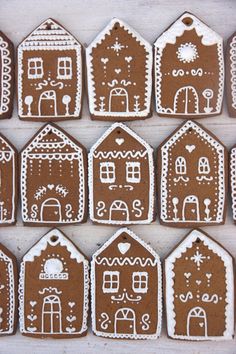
point(124, 238)
point(116, 26)
point(54, 238)
point(187, 21)
point(118, 131)
point(198, 240)
point(49, 26)
point(50, 132)
point(190, 130)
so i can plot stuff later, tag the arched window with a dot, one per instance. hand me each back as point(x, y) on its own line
point(180, 166)
point(203, 166)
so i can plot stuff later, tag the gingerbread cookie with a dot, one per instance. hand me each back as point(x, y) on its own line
point(8, 292)
point(189, 70)
point(121, 178)
point(126, 288)
point(7, 76)
point(8, 182)
point(199, 290)
point(231, 75)
point(49, 74)
point(233, 180)
point(53, 179)
point(119, 74)
point(53, 289)
point(192, 176)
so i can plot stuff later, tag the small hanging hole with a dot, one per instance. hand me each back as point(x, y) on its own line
point(54, 238)
point(187, 21)
point(50, 132)
point(190, 130)
point(116, 26)
point(198, 240)
point(118, 131)
point(124, 238)
point(49, 26)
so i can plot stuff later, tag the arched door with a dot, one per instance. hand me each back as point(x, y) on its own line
point(125, 321)
point(119, 211)
point(197, 322)
point(118, 100)
point(186, 100)
point(51, 210)
point(47, 104)
point(51, 315)
point(191, 209)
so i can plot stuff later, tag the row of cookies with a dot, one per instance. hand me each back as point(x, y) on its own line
point(126, 289)
point(192, 175)
point(188, 73)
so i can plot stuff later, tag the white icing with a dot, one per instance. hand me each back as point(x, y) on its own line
point(40, 246)
point(6, 76)
point(93, 107)
point(36, 251)
point(95, 153)
point(232, 52)
point(233, 180)
point(209, 37)
point(27, 154)
point(165, 155)
point(125, 296)
point(42, 39)
point(170, 275)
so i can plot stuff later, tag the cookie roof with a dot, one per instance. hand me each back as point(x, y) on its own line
point(107, 30)
point(53, 238)
point(50, 34)
point(209, 37)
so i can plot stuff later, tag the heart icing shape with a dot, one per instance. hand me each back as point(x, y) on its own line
point(50, 186)
point(193, 210)
point(190, 148)
point(201, 324)
point(187, 275)
point(128, 59)
point(198, 282)
point(104, 60)
point(119, 141)
point(70, 329)
point(71, 304)
point(118, 71)
point(32, 317)
point(31, 329)
point(33, 303)
point(208, 275)
point(124, 247)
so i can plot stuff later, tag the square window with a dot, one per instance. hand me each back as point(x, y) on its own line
point(64, 68)
point(35, 68)
point(107, 172)
point(111, 281)
point(140, 282)
point(133, 173)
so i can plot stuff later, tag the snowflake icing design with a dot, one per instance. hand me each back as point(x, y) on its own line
point(198, 258)
point(117, 46)
point(187, 52)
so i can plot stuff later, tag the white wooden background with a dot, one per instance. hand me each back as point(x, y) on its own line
point(85, 18)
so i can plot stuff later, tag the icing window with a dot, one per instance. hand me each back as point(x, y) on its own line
point(64, 68)
point(111, 281)
point(107, 172)
point(140, 282)
point(35, 68)
point(180, 166)
point(203, 166)
point(133, 174)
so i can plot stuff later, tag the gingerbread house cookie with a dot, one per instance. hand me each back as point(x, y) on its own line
point(49, 74)
point(126, 288)
point(189, 70)
point(119, 74)
point(7, 76)
point(8, 292)
point(53, 289)
point(8, 182)
point(121, 178)
point(53, 179)
point(231, 75)
point(199, 290)
point(233, 180)
point(192, 176)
